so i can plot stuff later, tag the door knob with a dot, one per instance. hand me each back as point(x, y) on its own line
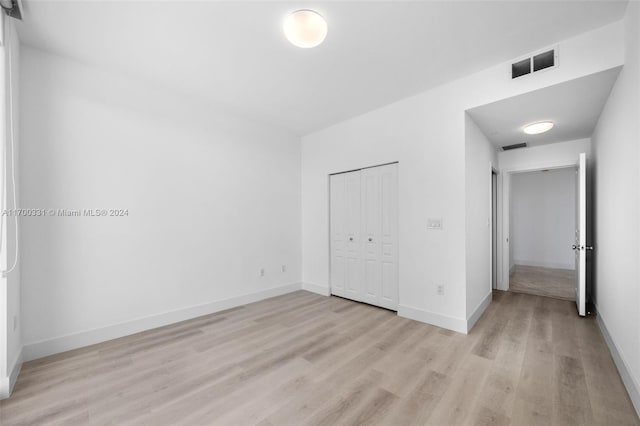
point(588, 247)
point(574, 247)
point(350, 238)
point(370, 239)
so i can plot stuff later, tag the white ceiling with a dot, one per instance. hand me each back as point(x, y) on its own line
point(574, 107)
point(235, 55)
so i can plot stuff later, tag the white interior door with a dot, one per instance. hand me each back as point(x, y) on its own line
point(494, 230)
point(580, 246)
point(379, 225)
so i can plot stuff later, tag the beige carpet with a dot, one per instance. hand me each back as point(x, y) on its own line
point(558, 283)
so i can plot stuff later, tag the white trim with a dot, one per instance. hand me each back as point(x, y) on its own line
point(492, 170)
point(439, 320)
point(505, 231)
point(542, 165)
point(478, 311)
point(543, 264)
point(15, 370)
point(502, 283)
point(633, 388)
point(317, 288)
point(85, 338)
point(7, 383)
point(4, 388)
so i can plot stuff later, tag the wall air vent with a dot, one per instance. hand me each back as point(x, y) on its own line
point(521, 68)
point(514, 146)
point(542, 60)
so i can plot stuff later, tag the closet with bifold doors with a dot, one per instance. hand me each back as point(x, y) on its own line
point(364, 235)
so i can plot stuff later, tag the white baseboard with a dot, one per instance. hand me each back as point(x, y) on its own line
point(85, 338)
point(439, 320)
point(316, 288)
point(478, 311)
point(14, 371)
point(7, 383)
point(632, 385)
point(4, 388)
point(552, 265)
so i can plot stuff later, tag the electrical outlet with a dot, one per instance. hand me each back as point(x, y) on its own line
point(262, 272)
point(284, 268)
point(15, 322)
point(440, 289)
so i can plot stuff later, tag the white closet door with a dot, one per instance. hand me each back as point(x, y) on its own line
point(353, 288)
point(346, 245)
point(338, 237)
point(364, 232)
point(379, 226)
point(371, 221)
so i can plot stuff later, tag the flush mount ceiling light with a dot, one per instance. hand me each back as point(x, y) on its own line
point(537, 128)
point(305, 28)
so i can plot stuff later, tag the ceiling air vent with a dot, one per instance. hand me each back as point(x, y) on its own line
point(514, 146)
point(536, 62)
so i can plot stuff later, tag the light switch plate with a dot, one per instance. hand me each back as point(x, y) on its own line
point(434, 223)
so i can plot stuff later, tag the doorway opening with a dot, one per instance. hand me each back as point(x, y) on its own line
point(565, 144)
point(542, 231)
point(494, 229)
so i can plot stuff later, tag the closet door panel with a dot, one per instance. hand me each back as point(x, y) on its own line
point(389, 235)
point(337, 206)
point(353, 281)
point(371, 216)
point(388, 278)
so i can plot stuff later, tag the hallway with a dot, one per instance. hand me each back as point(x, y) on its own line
point(556, 283)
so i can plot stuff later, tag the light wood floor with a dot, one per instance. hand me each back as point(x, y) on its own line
point(558, 283)
point(305, 359)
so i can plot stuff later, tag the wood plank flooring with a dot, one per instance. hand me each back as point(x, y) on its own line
point(304, 359)
point(557, 283)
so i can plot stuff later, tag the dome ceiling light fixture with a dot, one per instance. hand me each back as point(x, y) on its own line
point(305, 28)
point(537, 128)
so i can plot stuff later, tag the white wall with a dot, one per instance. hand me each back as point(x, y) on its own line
point(480, 156)
point(10, 286)
point(426, 134)
point(543, 218)
point(211, 200)
point(544, 156)
point(617, 209)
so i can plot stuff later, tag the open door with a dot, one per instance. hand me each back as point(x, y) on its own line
point(580, 246)
point(494, 230)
